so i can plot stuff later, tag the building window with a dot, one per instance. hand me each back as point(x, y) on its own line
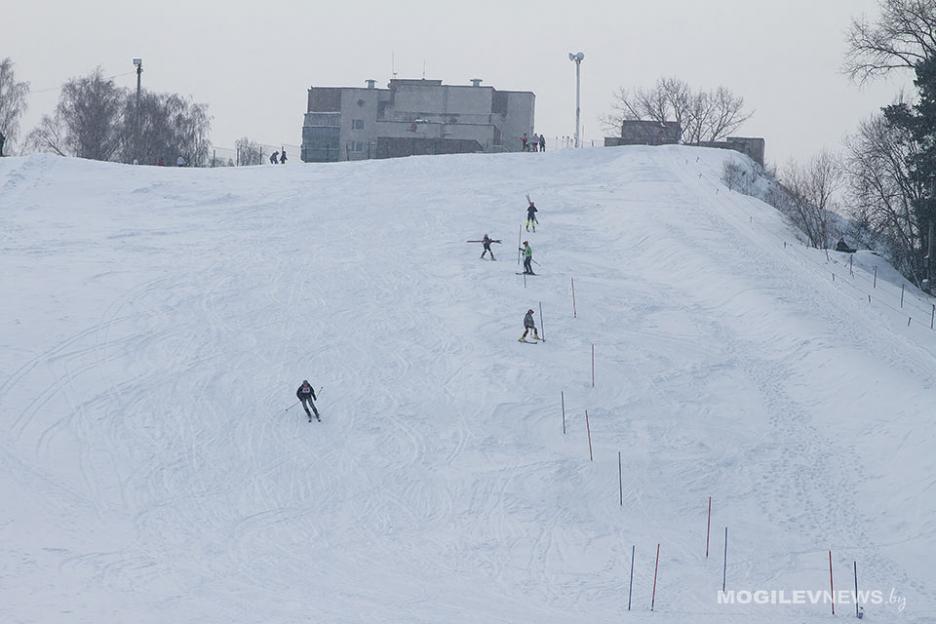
point(357, 124)
point(357, 146)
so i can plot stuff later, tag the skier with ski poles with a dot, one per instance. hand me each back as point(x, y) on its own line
point(527, 252)
point(486, 241)
point(306, 395)
point(531, 215)
point(528, 325)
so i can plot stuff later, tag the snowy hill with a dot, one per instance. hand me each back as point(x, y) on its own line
point(155, 323)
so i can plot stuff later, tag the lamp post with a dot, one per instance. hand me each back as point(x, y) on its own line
point(138, 62)
point(577, 58)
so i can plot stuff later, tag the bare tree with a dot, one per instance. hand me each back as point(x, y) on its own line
point(86, 122)
point(882, 192)
point(704, 116)
point(12, 102)
point(811, 189)
point(904, 35)
point(165, 126)
point(727, 114)
point(248, 152)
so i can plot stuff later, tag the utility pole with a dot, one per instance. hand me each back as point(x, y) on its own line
point(138, 62)
point(577, 58)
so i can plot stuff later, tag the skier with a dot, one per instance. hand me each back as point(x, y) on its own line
point(523, 141)
point(528, 324)
point(306, 394)
point(486, 241)
point(542, 142)
point(2, 141)
point(527, 258)
point(283, 157)
point(534, 142)
point(274, 158)
point(531, 216)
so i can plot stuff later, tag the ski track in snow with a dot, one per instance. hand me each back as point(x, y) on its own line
point(158, 321)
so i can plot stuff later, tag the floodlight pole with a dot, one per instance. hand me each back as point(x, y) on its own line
point(139, 72)
point(577, 59)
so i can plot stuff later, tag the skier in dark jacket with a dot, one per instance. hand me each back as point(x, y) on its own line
point(486, 241)
point(283, 157)
point(274, 158)
point(306, 394)
point(542, 142)
point(528, 324)
point(527, 252)
point(531, 217)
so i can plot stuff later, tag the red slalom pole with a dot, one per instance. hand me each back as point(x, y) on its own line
point(708, 528)
point(591, 456)
point(831, 585)
point(656, 568)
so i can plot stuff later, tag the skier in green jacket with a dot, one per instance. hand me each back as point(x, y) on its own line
point(527, 251)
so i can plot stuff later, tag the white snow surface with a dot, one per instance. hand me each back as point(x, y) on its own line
point(156, 322)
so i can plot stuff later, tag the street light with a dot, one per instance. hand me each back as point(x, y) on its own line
point(138, 63)
point(577, 58)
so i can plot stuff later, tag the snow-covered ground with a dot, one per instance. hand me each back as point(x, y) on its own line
point(155, 323)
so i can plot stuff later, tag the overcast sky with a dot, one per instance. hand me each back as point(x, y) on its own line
point(253, 61)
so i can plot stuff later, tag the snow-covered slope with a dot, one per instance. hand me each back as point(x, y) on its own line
point(155, 323)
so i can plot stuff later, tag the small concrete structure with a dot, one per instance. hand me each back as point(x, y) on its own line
point(412, 117)
point(643, 132)
point(755, 147)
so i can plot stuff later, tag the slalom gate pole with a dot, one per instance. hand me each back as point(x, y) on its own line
point(591, 456)
point(856, 589)
point(620, 480)
point(656, 568)
point(708, 528)
point(593, 365)
point(573, 297)
point(933, 316)
point(562, 395)
point(542, 323)
point(875, 277)
point(724, 573)
point(630, 587)
point(831, 584)
point(519, 237)
point(902, 287)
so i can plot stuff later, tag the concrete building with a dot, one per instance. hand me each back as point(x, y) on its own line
point(412, 117)
point(755, 147)
point(643, 132)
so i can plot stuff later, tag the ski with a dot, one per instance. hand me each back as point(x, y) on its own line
point(526, 273)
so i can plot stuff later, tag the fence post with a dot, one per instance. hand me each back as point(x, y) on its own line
point(656, 568)
point(591, 456)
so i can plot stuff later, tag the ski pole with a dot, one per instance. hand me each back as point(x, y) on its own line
point(291, 406)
